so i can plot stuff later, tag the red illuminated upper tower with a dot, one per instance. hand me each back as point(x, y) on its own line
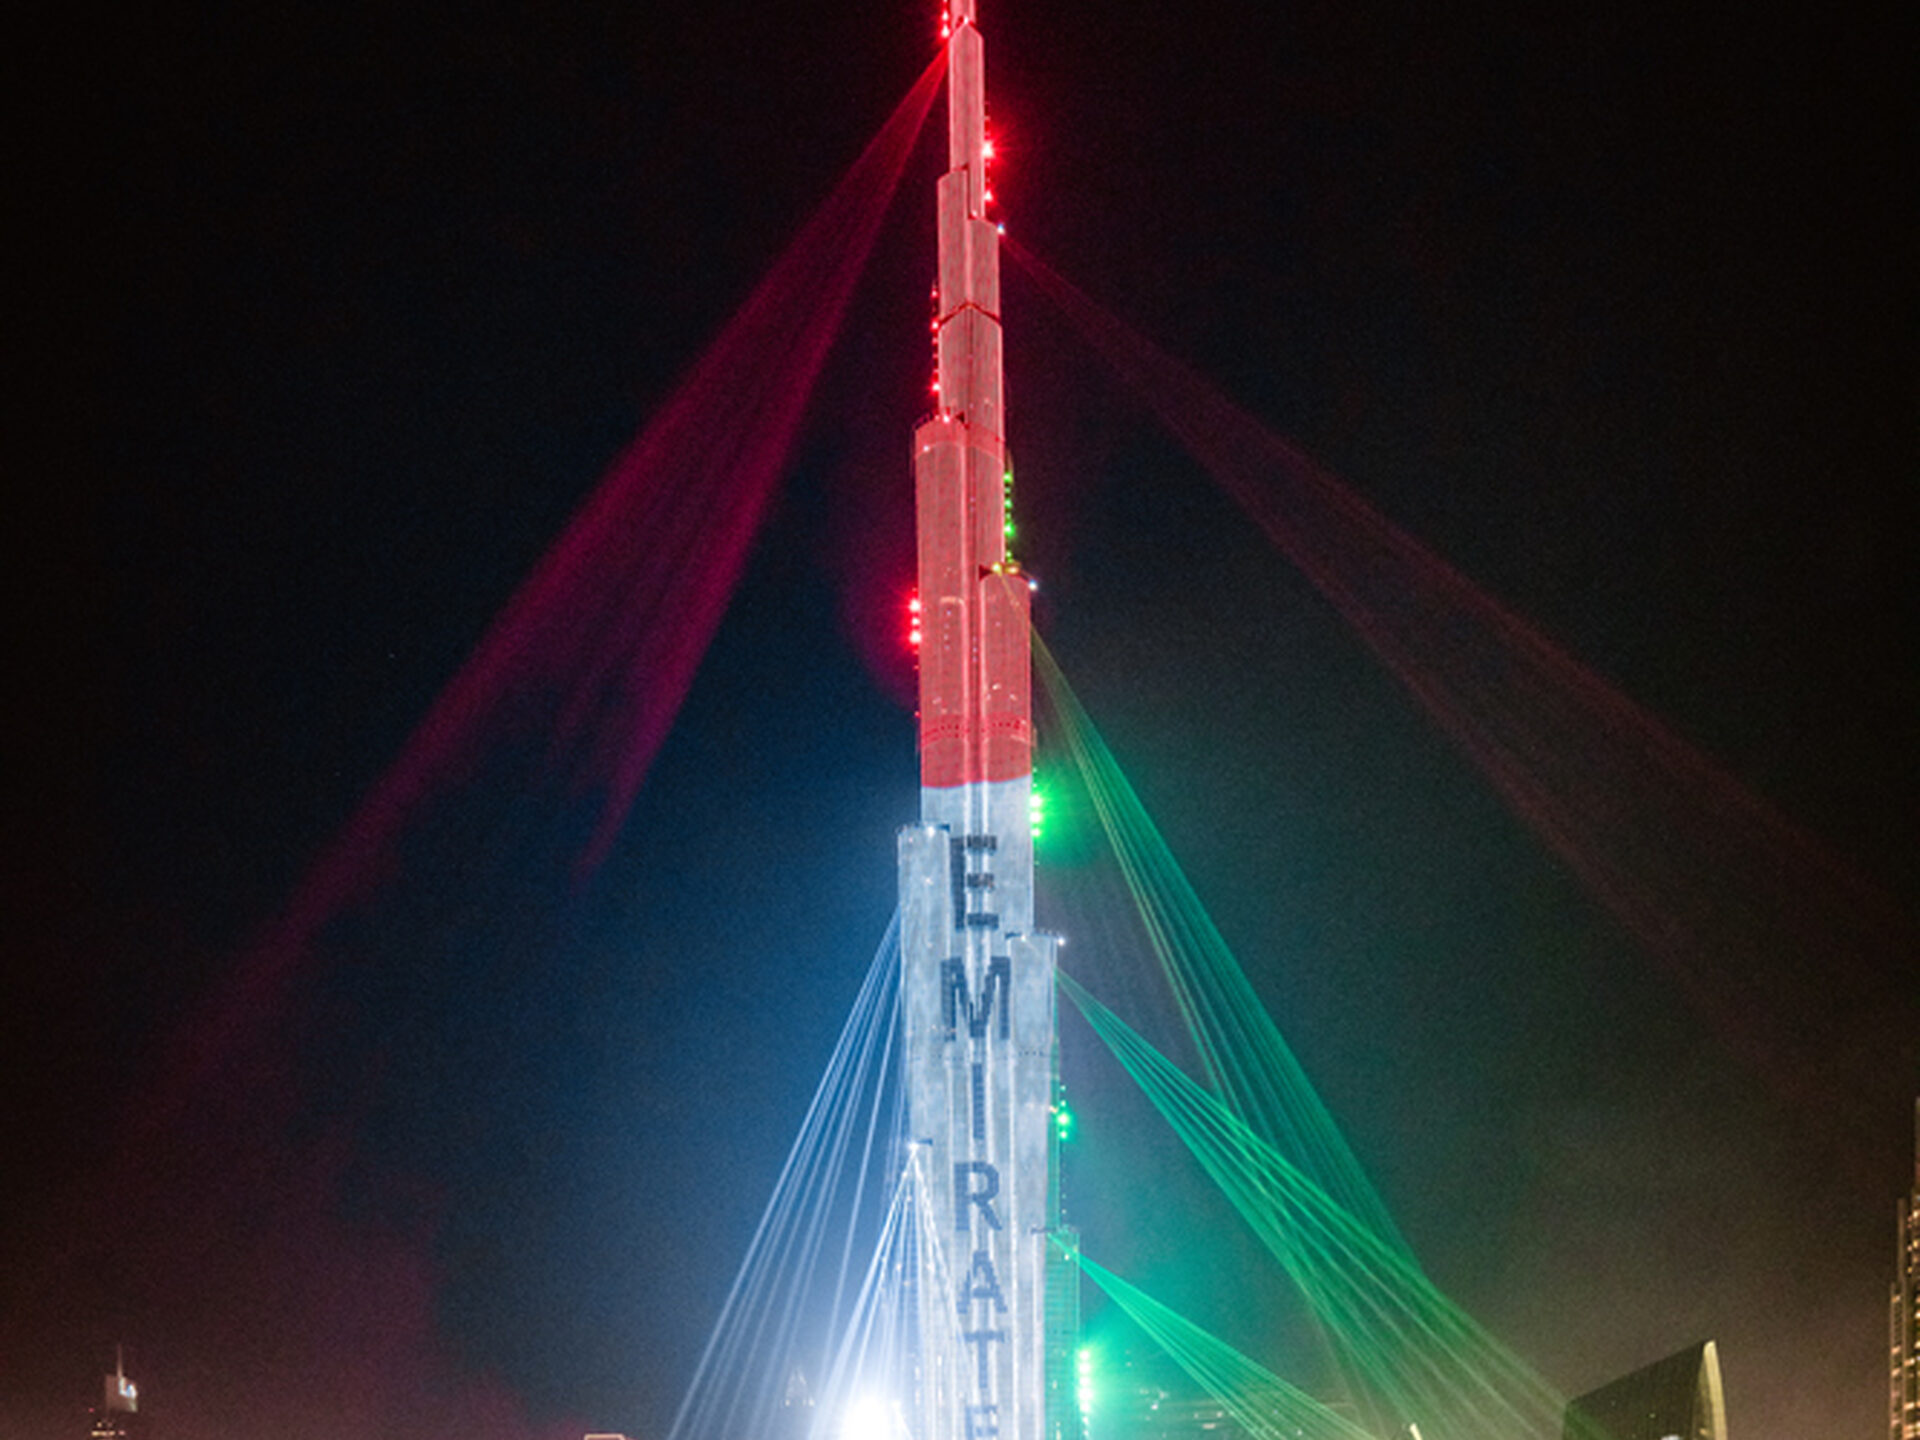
point(975, 724)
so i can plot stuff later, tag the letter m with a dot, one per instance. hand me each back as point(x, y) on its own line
point(956, 1000)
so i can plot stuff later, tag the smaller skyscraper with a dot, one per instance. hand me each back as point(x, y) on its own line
point(115, 1417)
point(1678, 1398)
point(1903, 1311)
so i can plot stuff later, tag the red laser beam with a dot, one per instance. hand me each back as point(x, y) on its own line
point(590, 660)
point(1738, 903)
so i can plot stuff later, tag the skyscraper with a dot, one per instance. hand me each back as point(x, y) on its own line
point(116, 1416)
point(1903, 1311)
point(977, 980)
point(1678, 1398)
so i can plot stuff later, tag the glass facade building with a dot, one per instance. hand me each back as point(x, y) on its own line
point(1903, 1311)
point(1678, 1398)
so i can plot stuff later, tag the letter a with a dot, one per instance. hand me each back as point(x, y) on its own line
point(982, 1284)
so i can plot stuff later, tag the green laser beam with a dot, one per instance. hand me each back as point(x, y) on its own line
point(1431, 1362)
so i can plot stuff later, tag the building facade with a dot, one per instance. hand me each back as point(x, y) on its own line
point(1903, 1311)
point(117, 1417)
point(1678, 1398)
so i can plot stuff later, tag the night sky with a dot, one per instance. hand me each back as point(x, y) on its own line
point(345, 313)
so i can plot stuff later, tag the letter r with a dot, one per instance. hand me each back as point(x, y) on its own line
point(965, 1194)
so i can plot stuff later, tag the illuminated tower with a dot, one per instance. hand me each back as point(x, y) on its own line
point(117, 1415)
point(977, 982)
point(1903, 1319)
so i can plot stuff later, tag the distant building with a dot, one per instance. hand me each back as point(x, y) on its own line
point(1903, 1317)
point(116, 1417)
point(1678, 1398)
point(795, 1421)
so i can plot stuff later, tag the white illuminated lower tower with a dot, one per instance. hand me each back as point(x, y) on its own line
point(977, 981)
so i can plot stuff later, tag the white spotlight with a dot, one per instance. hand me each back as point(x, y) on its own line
point(871, 1418)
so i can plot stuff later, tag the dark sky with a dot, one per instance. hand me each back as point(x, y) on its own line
point(346, 312)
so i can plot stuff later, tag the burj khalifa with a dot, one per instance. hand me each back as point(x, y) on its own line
point(995, 1275)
